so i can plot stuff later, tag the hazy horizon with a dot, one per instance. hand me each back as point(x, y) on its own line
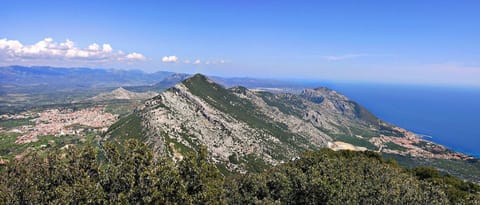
point(309, 82)
point(427, 42)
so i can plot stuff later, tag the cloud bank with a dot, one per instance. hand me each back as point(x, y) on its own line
point(169, 59)
point(14, 50)
point(135, 56)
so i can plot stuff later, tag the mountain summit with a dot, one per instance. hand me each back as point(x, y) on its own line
point(249, 130)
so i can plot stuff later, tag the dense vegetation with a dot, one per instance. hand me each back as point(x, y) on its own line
point(468, 170)
point(127, 127)
point(9, 148)
point(130, 174)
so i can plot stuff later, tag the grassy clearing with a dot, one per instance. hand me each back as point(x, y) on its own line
point(393, 146)
point(11, 123)
point(9, 149)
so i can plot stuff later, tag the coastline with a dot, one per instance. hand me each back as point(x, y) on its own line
point(447, 121)
point(430, 138)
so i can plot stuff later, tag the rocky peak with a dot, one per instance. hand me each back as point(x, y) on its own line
point(239, 89)
point(322, 93)
point(123, 94)
point(198, 78)
point(120, 91)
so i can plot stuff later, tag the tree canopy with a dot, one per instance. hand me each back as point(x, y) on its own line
point(130, 174)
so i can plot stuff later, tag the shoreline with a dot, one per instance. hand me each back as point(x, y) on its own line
point(430, 138)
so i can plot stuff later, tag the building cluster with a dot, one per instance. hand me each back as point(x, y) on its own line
point(416, 147)
point(66, 122)
point(22, 115)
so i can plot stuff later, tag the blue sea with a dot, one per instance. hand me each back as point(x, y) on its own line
point(449, 115)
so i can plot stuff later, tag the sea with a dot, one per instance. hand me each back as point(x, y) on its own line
point(449, 116)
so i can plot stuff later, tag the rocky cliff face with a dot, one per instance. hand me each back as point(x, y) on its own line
point(248, 130)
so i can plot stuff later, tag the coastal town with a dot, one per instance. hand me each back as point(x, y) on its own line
point(410, 145)
point(416, 147)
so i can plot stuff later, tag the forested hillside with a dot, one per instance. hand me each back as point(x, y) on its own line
point(129, 174)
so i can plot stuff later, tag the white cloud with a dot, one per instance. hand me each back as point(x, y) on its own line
point(107, 48)
point(169, 59)
point(69, 44)
point(14, 50)
point(12, 45)
point(135, 56)
point(175, 59)
point(94, 47)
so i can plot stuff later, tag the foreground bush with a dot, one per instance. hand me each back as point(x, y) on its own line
point(130, 174)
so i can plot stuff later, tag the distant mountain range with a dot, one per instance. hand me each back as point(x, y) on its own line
point(22, 79)
point(23, 88)
point(162, 84)
point(56, 78)
point(122, 94)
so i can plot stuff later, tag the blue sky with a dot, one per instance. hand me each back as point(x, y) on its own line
point(415, 42)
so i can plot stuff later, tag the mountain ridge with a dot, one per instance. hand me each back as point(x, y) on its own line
point(245, 130)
